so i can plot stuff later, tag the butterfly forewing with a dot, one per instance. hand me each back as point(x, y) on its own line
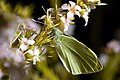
point(77, 57)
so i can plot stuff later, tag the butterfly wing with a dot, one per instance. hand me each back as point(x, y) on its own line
point(76, 57)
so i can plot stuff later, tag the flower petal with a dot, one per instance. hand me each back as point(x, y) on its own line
point(23, 47)
point(36, 52)
point(35, 58)
point(85, 16)
point(70, 15)
point(65, 6)
point(77, 13)
point(78, 8)
point(31, 42)
point(72, 4)
point(24, 40)
point(86, 22)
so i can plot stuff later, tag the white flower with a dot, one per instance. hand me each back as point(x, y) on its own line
point(25, 43)
point(35, 53)
point(73, 9)
point(66, 22)
point(85, 16)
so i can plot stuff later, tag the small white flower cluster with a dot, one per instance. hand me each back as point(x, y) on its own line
point(25, 43)
point(33, 52)
point(73, 9)
point(81, 10)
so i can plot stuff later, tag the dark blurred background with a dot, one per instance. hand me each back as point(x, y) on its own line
point(102, 26)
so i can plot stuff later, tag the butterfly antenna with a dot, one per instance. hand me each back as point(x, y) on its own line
point(44, 10)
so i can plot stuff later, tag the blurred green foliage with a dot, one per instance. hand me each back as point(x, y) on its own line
point(20, 10)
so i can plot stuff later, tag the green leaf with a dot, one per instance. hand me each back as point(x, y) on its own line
point(76, 57)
